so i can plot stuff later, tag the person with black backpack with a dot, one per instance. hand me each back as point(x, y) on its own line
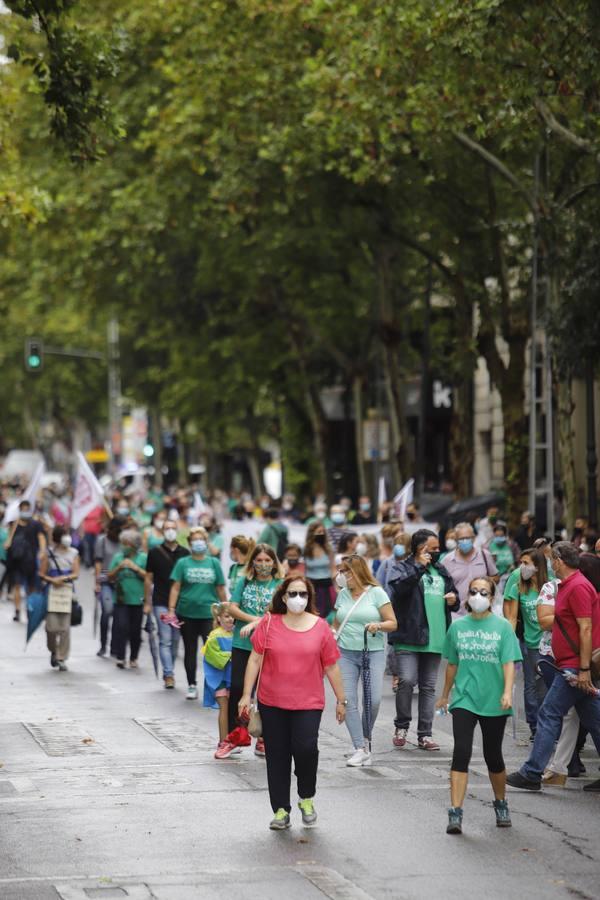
point(275, 533)
point(25, 545)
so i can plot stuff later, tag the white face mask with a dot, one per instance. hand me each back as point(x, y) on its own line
point(450, 544)
point(341, 580)
point(170, 534)
point(296, 605)
point(527, 571)
point(479, 603)
point(361, 548)
point(66, 540)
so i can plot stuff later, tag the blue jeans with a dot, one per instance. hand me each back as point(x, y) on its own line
point(168, 642)
point(351, 668)
point(558, 701)
point(534, 689)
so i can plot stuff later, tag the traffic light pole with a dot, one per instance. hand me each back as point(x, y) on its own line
point(111, 357)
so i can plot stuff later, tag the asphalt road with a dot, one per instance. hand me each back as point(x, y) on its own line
point(108, 788)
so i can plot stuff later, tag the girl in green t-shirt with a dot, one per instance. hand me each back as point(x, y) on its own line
point(250, 599)
point(481, 650)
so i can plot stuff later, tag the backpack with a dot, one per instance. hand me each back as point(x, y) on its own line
point(20, 551)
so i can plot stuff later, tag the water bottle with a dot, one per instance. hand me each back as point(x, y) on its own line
point(441, 712)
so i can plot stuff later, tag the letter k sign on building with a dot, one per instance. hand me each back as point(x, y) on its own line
point(442, 395)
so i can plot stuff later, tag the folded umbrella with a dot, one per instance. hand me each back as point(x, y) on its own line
point(37, 607)
point(366, 682)
point(150, 629)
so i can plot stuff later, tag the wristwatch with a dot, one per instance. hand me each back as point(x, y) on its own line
point(342, 702)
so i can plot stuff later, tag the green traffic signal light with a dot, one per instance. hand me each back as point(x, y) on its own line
point(34, 355)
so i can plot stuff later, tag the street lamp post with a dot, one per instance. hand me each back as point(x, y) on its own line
point(591, 456)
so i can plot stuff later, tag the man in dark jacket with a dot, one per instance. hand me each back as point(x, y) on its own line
point(423, 596)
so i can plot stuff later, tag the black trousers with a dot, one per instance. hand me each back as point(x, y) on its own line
point(127, 629)
point(290, 734)
point(191, 630)
point(492, 731)
point(239, 661)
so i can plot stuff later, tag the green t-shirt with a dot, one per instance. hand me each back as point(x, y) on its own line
point(130, 586)
point(480, 647)
point(532, 633)
point(199, 579)
point(3, 539)
point(217, 540)
point(253, 597)
point(503, 556)
point(435, 610)
point(365, 611)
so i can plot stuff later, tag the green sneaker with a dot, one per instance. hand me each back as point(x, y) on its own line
point(309, 816)
point(502, 814)
point(455, 815)
point(280, 821)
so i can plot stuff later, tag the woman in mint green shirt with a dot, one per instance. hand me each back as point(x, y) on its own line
point(481, 650)
point(197, 583)
point(127, 570)
point(361, 605)
point(520, 603)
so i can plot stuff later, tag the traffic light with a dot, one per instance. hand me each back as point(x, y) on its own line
point(34, 355)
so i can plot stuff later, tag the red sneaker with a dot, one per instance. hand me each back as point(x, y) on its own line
point(225, 750)
point(399, 739)
point(259, 749)
point(427, 743)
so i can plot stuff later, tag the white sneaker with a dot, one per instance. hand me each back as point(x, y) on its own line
point(361, 757)
point(192, 692)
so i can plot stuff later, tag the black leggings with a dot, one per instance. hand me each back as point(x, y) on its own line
point(191, 630)
point(290, 734)
point(492, 730)
point(127, 629)
point(239, 661)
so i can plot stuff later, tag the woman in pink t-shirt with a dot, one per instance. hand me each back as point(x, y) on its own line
point(296, 649)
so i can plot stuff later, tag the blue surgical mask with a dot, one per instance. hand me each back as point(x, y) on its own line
point(465, 545)
point(365, 507)
point(399, 551)
point(199, 546)
point(25, 513)
point(338, 518)
point(500, 539)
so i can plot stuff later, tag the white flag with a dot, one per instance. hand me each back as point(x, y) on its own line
point(403, 498)
point(30, 493)
point(88, 492)
point(381, 492)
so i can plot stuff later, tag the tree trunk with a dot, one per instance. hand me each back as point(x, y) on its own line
point(357, 387)
point(566, 451)
point(181, 466)
point(461, 440)
point(157, 444)
point(516, 438)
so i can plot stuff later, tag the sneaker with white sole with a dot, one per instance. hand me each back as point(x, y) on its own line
point(259, 747)
point(280, 820)
point(192, 692)
point(399, 739)
point(361, 757)
point(427, 743)
point(309, 814)
point(226, 749)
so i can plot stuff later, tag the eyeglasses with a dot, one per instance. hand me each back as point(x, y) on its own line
point(483, 593)
point(302, 594)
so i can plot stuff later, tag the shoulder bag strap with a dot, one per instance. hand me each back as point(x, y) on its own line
point(566, 636)
point(347, 616)
point(263, 656)
point(50, 553)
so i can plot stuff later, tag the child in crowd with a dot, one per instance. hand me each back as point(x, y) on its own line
point(217, 664)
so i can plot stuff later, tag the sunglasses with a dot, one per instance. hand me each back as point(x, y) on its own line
point(483, 593)
point(302, 594)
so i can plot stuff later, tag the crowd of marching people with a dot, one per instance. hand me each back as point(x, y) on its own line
point(350, 596)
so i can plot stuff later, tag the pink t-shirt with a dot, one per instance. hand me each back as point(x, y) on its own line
point(294, 663)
